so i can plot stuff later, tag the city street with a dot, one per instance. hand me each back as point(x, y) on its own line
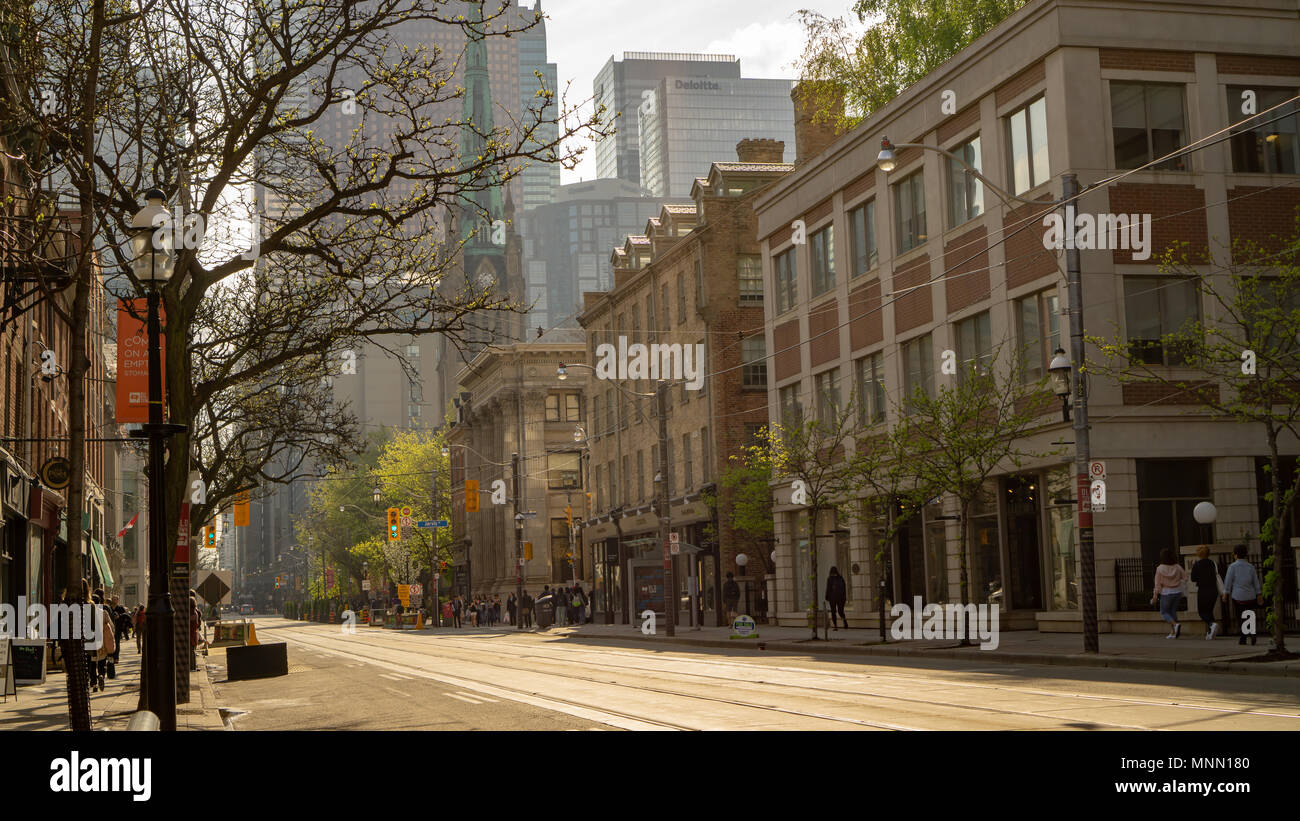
point(501, 680)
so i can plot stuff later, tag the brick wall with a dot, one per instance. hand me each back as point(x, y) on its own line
point(860, 186)
point(818, 212)
point(823, 337)
point(912, 309)
point(866, 323)
point(785, 349)
point(1177, 215)
point(1253, 64)
point(966, 261)
point(1262, 215)
point(1141, 60)
point(1161, 393)
point(1025, 80)
point(1026, 258)
point(954, 125)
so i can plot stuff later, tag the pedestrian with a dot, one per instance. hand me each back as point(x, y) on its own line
point(580, 604)
point(560, 599)
point(496, 609)
point(1209, 587)
point(196, 626)
point(139, 628)
point(1169, 590)
point(1241, 584)
point(526, 607)
point(730, 597)
point(836, 594)
point(456, 606)
point(512, 610)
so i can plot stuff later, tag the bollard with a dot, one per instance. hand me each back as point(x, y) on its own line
point(143, 721)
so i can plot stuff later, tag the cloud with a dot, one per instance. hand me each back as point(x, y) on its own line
point(768, 50)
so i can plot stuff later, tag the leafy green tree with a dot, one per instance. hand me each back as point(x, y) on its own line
point(969, 429)
point(904, 40)
point(1246, 357)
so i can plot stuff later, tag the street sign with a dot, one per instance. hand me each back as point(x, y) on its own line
point(406, 513)
point(1097, 470)
point(407, 521)
point(744, 627)
point(1098, 495)
point(365, 584)
point(442, 523)
point(532, 514)
point(427, 524)
point(214, 586)
point(417, 590)
point(674, 537)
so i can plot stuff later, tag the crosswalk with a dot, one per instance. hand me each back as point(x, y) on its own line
point(470, 698)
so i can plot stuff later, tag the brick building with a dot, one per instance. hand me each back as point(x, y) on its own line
point(693, 278)
point(900, 267)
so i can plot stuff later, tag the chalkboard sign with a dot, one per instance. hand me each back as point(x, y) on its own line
point(29, 661)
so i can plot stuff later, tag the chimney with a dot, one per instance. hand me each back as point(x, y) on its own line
point(760, 150)
point(818, 107)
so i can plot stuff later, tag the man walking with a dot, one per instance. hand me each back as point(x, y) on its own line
point(730, 597)
point(1241, 585)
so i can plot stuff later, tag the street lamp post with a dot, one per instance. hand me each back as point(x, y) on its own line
point(152, 263)
point(742, 561)
point(887, 162)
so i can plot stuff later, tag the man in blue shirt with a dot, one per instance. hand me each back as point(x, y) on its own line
point(1241, 584)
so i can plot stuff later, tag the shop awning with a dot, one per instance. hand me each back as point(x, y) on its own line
point(101, 561)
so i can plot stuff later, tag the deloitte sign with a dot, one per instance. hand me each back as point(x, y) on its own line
point(695, 85)
point(744, 627)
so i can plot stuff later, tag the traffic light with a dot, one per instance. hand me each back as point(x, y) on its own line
point(471, 496)
point(528, 551)
point(210, 536)
point(394, 525)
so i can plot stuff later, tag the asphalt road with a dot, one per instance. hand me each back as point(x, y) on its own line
point(501, 680)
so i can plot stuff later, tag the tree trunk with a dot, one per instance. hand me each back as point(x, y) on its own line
point(965, 576)
point(812, 545)
point(1279, 541)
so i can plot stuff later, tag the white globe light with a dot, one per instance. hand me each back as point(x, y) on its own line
point(1205, 513)
point(741, 560)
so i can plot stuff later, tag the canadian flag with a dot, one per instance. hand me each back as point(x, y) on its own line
point(129, 525)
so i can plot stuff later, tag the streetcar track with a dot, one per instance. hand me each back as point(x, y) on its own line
point(461, 643)
point(623, 714)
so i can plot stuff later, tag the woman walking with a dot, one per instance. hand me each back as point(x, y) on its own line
point(1208, 589)
point(1169, 590)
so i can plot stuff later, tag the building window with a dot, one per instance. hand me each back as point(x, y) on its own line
point(965, 192)
point(1272, 148)
point(706, 463)
point(609, 410)
point(871, 389)
point(627, 477)
point(753, 435)
point(791, 409)
point(828, 396)
point(650, 311)
point(918, 370)
point(862, 235)
point(636, 322)
point(974, 344)
point(822, 247)
point(597, 486)
point(612, 478)
point(412, 351)
point(1028, 133)
point(572, 407)
point(699, 283)
point(1147, 123)
point(1038, 333)
point(753, 358)
point(749, 274)
point(687, 472)
point(1155, 307)
point(595, 413)
point(909, 211)
point(786, 288)
point(564, 470)
point(681, 299)
point(562, 407)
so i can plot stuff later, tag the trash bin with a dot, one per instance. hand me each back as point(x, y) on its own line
point(545, 612)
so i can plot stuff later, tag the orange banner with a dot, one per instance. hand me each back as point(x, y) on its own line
point(133, 361)
point(241, 514)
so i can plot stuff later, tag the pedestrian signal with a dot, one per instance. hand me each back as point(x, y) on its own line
point(471, 496)
point(568, 513)
point(528, 551)
point(394, 525)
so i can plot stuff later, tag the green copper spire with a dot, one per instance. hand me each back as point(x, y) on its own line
point(477, 110)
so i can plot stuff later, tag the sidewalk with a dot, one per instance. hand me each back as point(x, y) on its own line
point(1189, 654)
point(45, 706)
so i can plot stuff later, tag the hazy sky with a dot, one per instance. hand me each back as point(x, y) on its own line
point(583, 34)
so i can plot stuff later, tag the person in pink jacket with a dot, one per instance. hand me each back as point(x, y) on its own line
point(1169, 590)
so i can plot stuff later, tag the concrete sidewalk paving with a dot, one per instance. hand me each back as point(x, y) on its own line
point(45, 706)
point(1189, 654)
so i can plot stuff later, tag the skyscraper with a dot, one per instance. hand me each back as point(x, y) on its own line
point(623, 86)
point(540, 180)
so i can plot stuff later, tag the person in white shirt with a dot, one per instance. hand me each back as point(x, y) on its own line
point(1169, 590)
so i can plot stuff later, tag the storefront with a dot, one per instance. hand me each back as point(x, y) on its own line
point(15, 488)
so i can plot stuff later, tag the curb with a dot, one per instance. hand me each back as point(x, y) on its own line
point(1271, 669)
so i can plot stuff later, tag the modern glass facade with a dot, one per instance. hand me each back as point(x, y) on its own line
point(540, 180)
point(691, 122)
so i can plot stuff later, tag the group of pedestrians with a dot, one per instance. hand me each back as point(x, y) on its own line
point(1240, 585)
point(572, 606)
